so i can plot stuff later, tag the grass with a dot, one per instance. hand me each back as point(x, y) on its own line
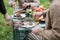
point(6, 31)
point(46, 3)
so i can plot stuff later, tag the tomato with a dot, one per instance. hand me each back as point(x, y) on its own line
point(41, 7)
point(35, 8)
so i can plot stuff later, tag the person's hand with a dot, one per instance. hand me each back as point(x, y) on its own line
point(24, 5)
point(42, 18)
point(35, 30)
point(13, 4)
point(41, 30)
point(37, 15)
point(8, 19)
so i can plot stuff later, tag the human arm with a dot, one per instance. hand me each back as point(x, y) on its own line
point(12, 3)
point(34, 3)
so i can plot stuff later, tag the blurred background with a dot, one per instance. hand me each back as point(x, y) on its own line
point(6, 31)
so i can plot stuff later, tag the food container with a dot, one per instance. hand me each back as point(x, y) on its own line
point(23, 22)
point(21, 27)
point(20, 33)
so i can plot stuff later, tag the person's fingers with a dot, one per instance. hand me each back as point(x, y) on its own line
point(13, 4)
point(41, 30)
point(24, 5)
point(35, 31)
point(37, 15)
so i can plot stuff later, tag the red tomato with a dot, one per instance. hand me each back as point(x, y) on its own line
point(41, 7)
point(39, 10)
point(35, 8)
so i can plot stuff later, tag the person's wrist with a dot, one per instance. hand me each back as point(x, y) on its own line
point(40, 29)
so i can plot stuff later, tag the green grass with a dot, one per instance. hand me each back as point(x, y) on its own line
point(46, 3)
point(6, 31)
